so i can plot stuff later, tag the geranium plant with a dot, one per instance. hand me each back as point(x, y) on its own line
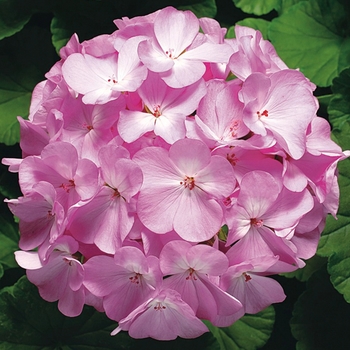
point(170, 170)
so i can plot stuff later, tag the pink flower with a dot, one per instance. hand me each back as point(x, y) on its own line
point(271, 108)
point(102, 79)
point(219, 113)
point(41, 217)
point(90, 127)
point(190, 269)
point(264, 217)
point(165, 110)
point(173, 51)
point(181, 188)
point(262, 203)
point(107, 218)
point(60, 277)
point(163, 317)
point(124, 282)
point(74, 179)
point(246, 282)
point(253, 54)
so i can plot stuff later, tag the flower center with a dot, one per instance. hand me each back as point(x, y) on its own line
point(67, 187)
point(156, 111)
point(231, 130)
point(231, 157)
point(265, 113)
point(188, 182)
point(257, 222)
point(247, 278)
point(116, 193)
point(112, 79)
point(191, 275)
point(135, 279)
point(159, 306)
point(170, 53)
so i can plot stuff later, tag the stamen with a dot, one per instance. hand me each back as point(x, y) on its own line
point(157, 113)
point(135, 279)
point(188, 182)
point(67, 187)
point(247, 278)
point(112, 79)
point(191, 275)
point(231, 157)
point(265, 113)
point(233, 128)
point(159, 306)
point(170, 53)
point(257, 222)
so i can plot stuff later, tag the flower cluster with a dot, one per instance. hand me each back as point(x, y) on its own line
point(167, 172)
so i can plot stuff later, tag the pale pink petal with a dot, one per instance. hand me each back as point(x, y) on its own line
point(100, 284)
point(133, 124)
point(183, 73)
point(153, 57)
point(28, 260)
point(209, 52)
point(86, 179)
point(217, 183)
point(207, 260)
point(131, 73)
point(190, 156)
point(294, 178)
point(173, 259)
point(259, 190)
point(171, 127)
point(72, 302)
point(255, 292)
point(197, 217)
point(288, 209)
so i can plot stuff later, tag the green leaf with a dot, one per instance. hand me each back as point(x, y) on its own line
point(321, 318)
point(312, 265)
point(306, 36)
point(14, 99)
point(324, 100)
point(205, 342)
point(28, 322)
point(257, 23)
point(284, 5)
point(339, 106)
point(14, 15)
point(231, 33)
point(86, 18)
point(339, 269)
point(8, 241)
point(337, 231)
point(248, 333)
point(24, 59)
point(257, 7)
point(341, 136)
point(334, 239)
point(201, 8)
point(60, 35)
point(9, 186)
